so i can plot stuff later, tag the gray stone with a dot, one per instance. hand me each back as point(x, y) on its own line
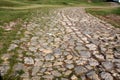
point(67, 73)
point(57, 52)
point(109, 57)
point(106, 76)
point(64, 79)
point(102, 48)
point(85, 39)
point(74, 77)
point(117, 54)
point(68, 61)
point(89, 67)
point(56, 73)
point(5, 57)
point(79, 44)
point(49, 69)
point(35, 70)
point(48, 77)
point(63, 46)
point(108, 65)
point(57, 63)
point(70, 66)
point(4, 69)
point(116, 60)
point(83, 77)
point(117, 65)
point(57, 39)
point(91, 46)
point(47, 64)
point(42, 70)
point(28, 60)
point(66, 53)
point(81, 61)
point(19, 66)
point(20, 51)
point(62, 69)
point(23, 39)
point(85, 54)
point(99, 57)
point(33, 48)
point(16, 41)
point(34, 43)
point(38, 62)
point(79, 70)
point(49, 57)
point(12, 47)
point(80, 47)
point(92, 75)
point(34, 38)
point(117, 36)
point(93, 62)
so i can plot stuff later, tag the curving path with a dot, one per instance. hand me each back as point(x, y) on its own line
point(69, 44)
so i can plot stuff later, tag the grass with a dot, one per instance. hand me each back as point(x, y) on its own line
point(11, 15)
point(104, 11)
point(9, 3)
point(18, 3)
point(110, 15)
point(59, 2)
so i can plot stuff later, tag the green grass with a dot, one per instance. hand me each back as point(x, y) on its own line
point(11, 15)
point(15, 3)
point(103, 13)
point(8, 3)
point(63, 2)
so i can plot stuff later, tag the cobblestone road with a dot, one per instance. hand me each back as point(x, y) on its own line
point(72, 45)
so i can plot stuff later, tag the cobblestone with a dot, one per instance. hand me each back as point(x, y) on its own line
point(67, 44)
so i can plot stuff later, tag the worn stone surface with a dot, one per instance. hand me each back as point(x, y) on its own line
point(28, 60)
point(70, 66)
point(93, 62)
point(80, 70)
point(108, 65)
point(74, 77)
point(85, 54)
point(106, 76)
point(49, 57)
point(56, 73)
point(35, 70)
point(64, 44)
point(92, 75)
point(12, 47)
